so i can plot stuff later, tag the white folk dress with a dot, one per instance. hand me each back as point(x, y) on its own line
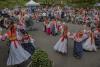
point(17, 55)
point(89, 46)
point(61, 46)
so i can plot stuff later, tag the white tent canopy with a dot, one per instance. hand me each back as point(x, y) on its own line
point(32, 3)
point(97, 4)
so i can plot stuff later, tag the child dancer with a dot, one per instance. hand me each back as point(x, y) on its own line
point(61, 45)
point(89, 45)
point(79, 38)
point(54, 30)
point(28, 42)
point(49, 28)
point(45, 24)
point(17, 54)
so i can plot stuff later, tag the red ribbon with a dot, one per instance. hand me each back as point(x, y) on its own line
point(14, 43)
point(62, 39)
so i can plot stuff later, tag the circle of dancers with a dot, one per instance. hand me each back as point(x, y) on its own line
point(21, 44)
point(84, 40)
point(87, 39)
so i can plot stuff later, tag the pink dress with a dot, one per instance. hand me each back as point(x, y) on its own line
point(49, 29)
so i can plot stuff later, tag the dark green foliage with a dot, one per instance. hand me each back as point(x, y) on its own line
point(12, 3)
point(40, 59)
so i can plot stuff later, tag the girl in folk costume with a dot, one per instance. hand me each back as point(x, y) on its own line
point(45, 24)
point(96, 18)
point(79, 38)
point(17, 54)
point(85, 19)
point(28, 42)
point(61, 29)
point(61, 45)
point(97, 37)
point(89, 44)
point(58, 25)
point(21, 23)
point(54, 27)
point(49, 28)
point(21, 26)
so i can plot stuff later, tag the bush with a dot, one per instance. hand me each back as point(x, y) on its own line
point(40, 59)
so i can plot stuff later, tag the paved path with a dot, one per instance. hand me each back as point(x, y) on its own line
point(46, 43)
